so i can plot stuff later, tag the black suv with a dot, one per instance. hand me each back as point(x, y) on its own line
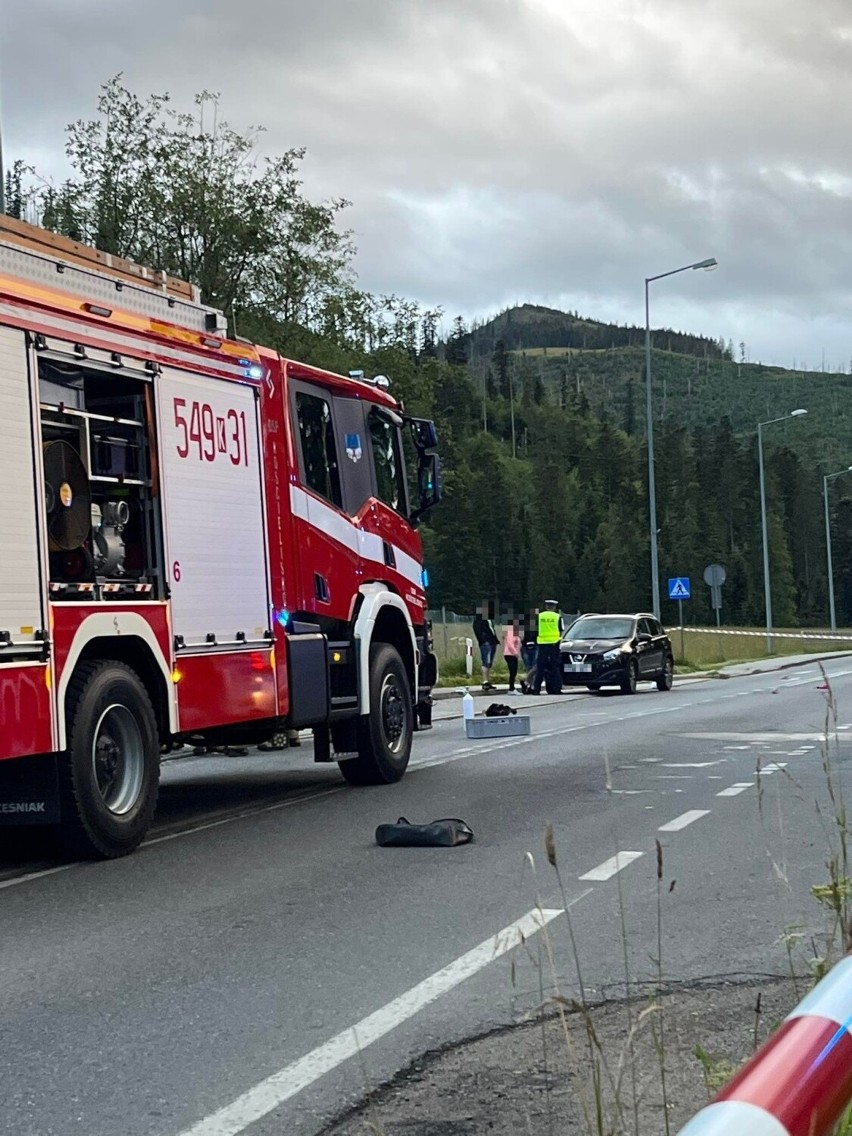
point(616, 650)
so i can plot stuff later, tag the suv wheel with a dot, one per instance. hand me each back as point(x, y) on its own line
point(666, 678)
point(628, 686)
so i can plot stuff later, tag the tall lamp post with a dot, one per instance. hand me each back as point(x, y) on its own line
point(2, 170)
point(711, 262)
point(767, 586)
point(830, 477)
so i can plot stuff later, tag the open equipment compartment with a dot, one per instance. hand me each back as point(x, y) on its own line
point(97, 432)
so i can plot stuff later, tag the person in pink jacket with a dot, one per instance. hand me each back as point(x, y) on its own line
point(511, 651)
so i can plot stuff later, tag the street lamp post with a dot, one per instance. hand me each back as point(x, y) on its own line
point(2, 170)
point(709, 263)
point(767, 586)
point(830, 477)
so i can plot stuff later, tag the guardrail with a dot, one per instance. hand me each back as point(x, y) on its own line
point(800, 1082)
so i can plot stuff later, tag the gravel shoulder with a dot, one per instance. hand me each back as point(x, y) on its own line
point(536, 1077)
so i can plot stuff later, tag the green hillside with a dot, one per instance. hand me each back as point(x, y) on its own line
point(531, 326)
point(691, 388)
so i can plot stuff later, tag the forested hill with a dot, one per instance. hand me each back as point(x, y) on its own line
point(696, 381)
point(530, 326)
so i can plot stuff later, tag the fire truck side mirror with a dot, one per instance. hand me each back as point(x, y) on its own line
point(428, 484)
point(423, 432)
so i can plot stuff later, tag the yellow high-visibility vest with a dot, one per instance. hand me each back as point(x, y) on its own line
point(548, 627)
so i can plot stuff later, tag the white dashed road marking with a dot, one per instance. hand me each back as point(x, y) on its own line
point(735, 790)
point(756, 737)
point(684, 820)
point(610, 867)
point(693, 764)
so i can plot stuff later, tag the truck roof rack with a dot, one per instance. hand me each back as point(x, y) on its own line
point(50, 260)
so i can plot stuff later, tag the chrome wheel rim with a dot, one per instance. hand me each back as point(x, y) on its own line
point(118, 759)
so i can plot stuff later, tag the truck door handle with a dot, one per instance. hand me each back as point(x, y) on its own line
point(321, 588)
point(390, 558)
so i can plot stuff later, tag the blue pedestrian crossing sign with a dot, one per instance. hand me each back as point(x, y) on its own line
point(679, 588)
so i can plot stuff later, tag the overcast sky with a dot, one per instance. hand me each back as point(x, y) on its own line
point(502, 151)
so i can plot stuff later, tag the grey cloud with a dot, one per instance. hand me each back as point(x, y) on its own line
point(498, 150)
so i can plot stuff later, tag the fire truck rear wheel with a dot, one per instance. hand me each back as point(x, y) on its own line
point(109, 775)
point(385, 734)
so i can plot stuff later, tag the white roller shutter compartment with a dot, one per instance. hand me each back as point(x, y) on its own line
point(211, 485)
point(20, 584)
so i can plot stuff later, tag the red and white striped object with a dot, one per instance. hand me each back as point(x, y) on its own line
point(800, 1081)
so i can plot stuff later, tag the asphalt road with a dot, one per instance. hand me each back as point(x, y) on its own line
point(210, 983)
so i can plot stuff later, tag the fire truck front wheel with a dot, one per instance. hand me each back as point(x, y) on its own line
point(384, 735)
point(109, 775)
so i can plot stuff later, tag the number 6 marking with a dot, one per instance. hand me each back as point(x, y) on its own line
point(176, 571)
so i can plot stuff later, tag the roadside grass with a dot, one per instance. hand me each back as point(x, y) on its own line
point(706, 650)
point(607, 1088)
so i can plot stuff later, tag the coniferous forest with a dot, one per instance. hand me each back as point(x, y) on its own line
point(541, 413)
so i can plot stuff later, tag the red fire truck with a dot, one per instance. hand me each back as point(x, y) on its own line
point(201, 542)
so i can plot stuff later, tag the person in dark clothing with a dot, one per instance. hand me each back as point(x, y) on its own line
point(486, 637)
point(529, 649)
point(550, 628)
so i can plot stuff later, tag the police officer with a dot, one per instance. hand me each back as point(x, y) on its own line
point(549, 668)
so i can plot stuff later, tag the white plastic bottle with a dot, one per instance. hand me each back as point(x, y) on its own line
point(467, 705)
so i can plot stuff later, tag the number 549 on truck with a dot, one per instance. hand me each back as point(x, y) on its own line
point(201, 541)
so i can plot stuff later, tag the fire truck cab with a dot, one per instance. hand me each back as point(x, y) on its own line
point(202, 542)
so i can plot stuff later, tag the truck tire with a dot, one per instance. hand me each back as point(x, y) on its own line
point(109, 775)
point(385, 734)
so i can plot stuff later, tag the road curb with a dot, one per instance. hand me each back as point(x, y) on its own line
point(765, 666)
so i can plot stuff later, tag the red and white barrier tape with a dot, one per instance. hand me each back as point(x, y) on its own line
point(800, 1081)
point(830, 636)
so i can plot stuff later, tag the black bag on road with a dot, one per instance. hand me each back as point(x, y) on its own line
point(439, 834)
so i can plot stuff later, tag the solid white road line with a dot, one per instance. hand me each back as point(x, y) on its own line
point(608, 868)
point(34, 876)
point(202, 826)
point(735, 790)
point(684, 820)
point(190, 830)
point(292, 1079)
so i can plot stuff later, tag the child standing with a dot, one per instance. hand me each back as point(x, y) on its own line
point(511, 651)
